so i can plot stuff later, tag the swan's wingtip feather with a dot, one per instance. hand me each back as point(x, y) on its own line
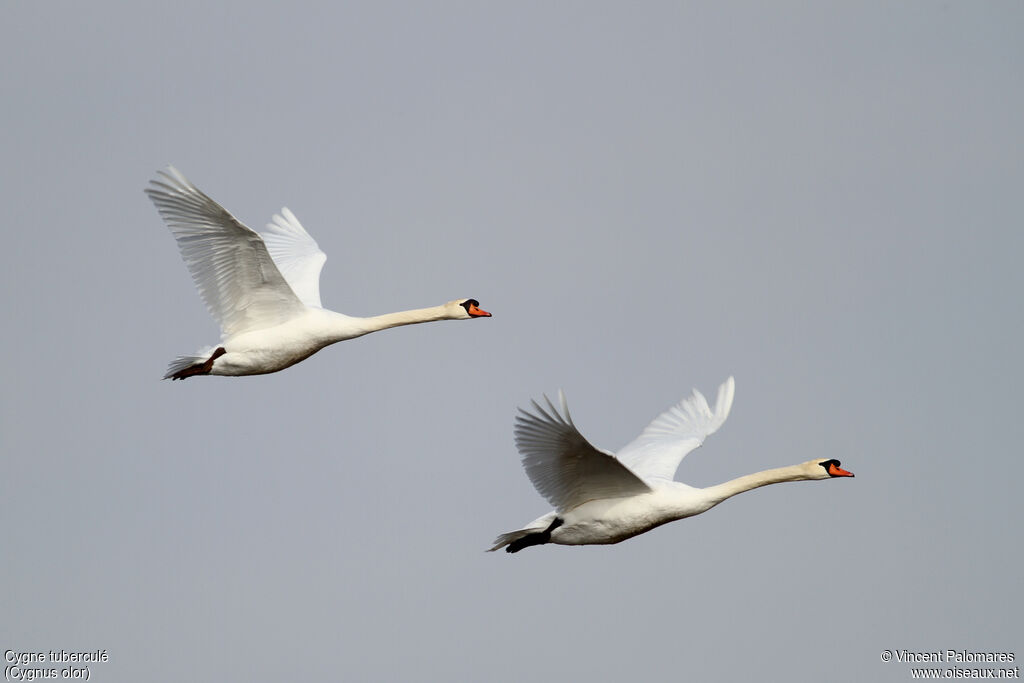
point(175, 174)
point(564, 402)
point(726, 393)
point(699, 398)
point(554, 411)
point(169, 174)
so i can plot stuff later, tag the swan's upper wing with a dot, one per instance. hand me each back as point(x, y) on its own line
point(297, 256)
point(657, 452)
point(229, 263)
point(563, 466)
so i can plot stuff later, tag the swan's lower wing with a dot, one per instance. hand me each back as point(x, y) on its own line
point(563, 466)
point(657, 452)
point(229, 262)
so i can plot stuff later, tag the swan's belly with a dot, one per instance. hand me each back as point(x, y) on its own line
point(260, 361)
point(610, 521)
point(269, 350)
point(614, 520)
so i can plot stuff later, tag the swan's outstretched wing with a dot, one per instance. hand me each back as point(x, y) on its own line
point(229, 262)
point(297, 256)
point(563, 466)
point(657, 452)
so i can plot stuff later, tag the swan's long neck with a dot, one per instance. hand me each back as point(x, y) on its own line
point(382, 322)
point(716, 494)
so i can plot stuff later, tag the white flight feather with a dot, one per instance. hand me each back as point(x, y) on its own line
point(229, 262)
point(657, 452)
point(297, 256)
point(563, 466)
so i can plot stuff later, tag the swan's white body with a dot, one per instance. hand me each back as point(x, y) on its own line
point(264, 290)
point(600, 498)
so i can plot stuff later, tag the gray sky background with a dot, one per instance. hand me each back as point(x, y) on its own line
point(822, 199)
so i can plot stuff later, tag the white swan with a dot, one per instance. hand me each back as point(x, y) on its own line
point(263, 290)
point(601, 498)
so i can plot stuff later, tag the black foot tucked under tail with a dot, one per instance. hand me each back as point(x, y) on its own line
point(199, 368)
point(537, 538)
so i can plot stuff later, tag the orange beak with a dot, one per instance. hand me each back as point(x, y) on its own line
point(838, 471)
point(478, 312)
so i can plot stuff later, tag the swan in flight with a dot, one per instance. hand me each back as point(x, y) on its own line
point(603, 498)
point(264, 290)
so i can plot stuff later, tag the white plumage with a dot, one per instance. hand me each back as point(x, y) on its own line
point(263, 290)
point(563, 466)
point(657, 452)
point(296, 255)
point(602, 498)
point(229, 263)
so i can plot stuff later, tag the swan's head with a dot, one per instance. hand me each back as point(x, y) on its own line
point(825, 469)
point(464, 309)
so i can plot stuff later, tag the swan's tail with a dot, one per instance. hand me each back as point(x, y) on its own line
point(183, 367)
point(510, 538)
point(524, 538)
